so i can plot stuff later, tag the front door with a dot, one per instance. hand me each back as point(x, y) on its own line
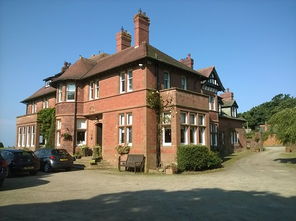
point(99, 134)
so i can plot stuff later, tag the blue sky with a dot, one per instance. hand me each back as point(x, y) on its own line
point(251, 43)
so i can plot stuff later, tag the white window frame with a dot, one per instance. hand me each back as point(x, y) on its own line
point(19, 137)
point(97, 89)
point(68, 91)
point(201, 131)
point(45, 103)
point(183, 114)
point(60, 93)
point(203, 120)
point(121, 135)
point(34, 107)
point(28, 138)
point(163, 135)
point(184, 82)
point(129, 80)
point(81, 125)
point(23, 136)
point(194, 135)
point(33, 136)
point(166, 124)
point(185, 134)
point(91, 90)
point(129, 139)
point(166, 80)
point(212, 103)
point(122, 82)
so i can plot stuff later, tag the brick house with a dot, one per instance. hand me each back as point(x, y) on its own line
point(101, 100)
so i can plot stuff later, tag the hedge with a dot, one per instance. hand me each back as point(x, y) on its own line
point(197, 157)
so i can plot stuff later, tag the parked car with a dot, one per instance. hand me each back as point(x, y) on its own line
point(54, 159)
point(3, 170)
point(20, 161)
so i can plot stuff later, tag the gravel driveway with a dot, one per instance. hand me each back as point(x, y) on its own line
point(257, 187)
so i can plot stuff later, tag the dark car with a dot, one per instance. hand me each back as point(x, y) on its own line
point(20, 161)
point(54, 159)
point(3, 170)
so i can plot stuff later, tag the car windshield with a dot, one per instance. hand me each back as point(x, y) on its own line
point(60, 152)
point(24, 154)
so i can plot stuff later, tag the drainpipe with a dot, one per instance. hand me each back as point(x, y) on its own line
point(75, 117)
point(158, 130)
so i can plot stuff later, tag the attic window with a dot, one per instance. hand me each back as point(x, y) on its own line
point(47, 83)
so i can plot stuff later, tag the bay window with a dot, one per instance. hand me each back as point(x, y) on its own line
point(70, 93)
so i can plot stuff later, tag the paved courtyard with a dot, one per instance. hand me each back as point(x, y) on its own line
point(257, 187)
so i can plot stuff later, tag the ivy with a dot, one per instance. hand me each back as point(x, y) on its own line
point(46, 124)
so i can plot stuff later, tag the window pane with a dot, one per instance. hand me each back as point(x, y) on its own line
point(130, 81)
point(167, 135)
point(81, 137)
point(121, 135)
point(201, 134)
point(129, 119)
point(201, 120)
point(183, 118)
point(81, 124)
point(166, 80)
point(97, 90)
point(129, 135)
point(192, 119)
point(166, 118)
point(193, 135)
point(70, 92)
point(183, 135)
point(121, 120)
point(122, 82)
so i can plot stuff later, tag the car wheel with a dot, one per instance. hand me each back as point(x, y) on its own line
point(34, 172)
point(47, 168)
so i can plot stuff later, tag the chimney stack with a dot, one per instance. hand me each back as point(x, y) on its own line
point(123, 40)
point(141, 23)
point(188, 61)
point(227, 96)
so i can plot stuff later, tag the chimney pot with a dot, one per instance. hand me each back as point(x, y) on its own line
point(123, 40)
point(141, 26)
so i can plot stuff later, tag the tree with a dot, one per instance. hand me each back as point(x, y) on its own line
point(1, 145)
point(262, 113)
point(46, 123)
point(283, 124)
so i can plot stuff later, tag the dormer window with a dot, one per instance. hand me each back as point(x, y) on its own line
point(47, 83)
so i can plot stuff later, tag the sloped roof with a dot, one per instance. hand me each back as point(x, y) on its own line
point(41, 92)
point(229, 103)
point(80, 67)
point(85, 68)
point(207, 73)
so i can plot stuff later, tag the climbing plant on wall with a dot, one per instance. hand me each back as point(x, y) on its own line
point(46, 124)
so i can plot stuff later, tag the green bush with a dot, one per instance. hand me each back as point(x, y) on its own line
point(97, 153)
point(197, 157)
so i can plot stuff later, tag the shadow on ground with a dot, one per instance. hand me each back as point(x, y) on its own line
point(26, 181)
point(286, 160)
point(196, 204)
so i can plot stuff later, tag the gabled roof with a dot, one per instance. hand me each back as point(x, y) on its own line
point(79, 68)
point(40, 93)
point(207, 73)
point(229, 103)
point(85, 68)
